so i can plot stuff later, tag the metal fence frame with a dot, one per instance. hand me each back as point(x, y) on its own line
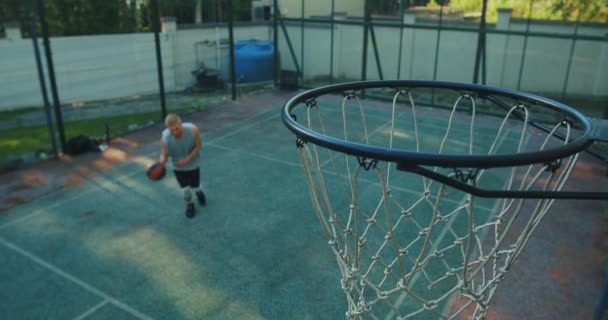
point(278, 25)
point(368, 26)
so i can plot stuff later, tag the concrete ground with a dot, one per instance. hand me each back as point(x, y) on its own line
point(90, 237)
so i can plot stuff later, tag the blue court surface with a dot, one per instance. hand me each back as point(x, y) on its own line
point(110, 244)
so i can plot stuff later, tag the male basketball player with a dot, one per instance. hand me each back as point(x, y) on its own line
point(182, 143)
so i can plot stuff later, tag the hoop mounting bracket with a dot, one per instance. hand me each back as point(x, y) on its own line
point(367, 163)
point(350, 94)
point(466, 175)
point(485, 193)
point(403, 92)
point(552, 166)
point(311, 103)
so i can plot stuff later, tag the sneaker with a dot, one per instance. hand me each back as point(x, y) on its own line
point(201, 198)
point(190, 210)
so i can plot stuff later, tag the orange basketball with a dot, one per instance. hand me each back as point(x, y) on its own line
point(156, 171)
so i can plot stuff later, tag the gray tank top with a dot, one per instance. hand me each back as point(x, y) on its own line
point(180, 148)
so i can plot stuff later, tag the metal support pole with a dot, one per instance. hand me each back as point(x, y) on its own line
point(275, 30)
point(523, 51)
point(159, 58)
point(365, 28)
point(290, 46)
point(437, 42)
point(401, 10)
point(331, 48)
point(45, 97)
point(376, 54)
point(51, 69)
point(231, 36)
point(480, 56)
point(302, 42)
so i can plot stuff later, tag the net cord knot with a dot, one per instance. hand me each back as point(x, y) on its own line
point(367, 164)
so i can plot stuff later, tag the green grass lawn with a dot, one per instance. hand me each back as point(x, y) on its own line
point(19, 141)
point(16, 142)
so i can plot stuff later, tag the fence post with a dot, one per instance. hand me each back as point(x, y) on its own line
point(503, 23)
point(45, 97)
point(366, 21)
point(159, 58)
point(302, 42)
point(523, 51)
point(231, 36)
point(51, 68)
point(331, 44)
point(480, 56)
point(275, 30)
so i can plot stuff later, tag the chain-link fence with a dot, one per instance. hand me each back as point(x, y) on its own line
point(75, 76)
point(101, 68)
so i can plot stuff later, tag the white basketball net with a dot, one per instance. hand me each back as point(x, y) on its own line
point(408, 247)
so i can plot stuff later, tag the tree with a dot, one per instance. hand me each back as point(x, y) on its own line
point(71, 17)
point(182, 10)
point(217, 10)
point(16, 11)
point(564, 10)
point(588, 10)
point(125, 17)
point(214, 11)
point(211, 10)
point(384, 7)
point(144, 19)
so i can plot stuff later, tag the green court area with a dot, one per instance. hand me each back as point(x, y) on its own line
point(118, 246)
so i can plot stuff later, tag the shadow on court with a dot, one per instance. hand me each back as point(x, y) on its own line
point(92, 238)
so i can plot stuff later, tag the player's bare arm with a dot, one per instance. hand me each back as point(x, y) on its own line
point(164, 152)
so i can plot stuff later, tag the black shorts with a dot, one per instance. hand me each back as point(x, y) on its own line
point(190, 178)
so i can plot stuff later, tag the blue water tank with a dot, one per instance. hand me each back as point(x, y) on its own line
point(253, 60)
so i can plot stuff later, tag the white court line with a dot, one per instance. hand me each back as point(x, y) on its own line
point(74, 279)
point(289, 163)
point(92, 310)
point(241, 128)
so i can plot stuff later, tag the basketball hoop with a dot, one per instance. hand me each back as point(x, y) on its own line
point(478, 168)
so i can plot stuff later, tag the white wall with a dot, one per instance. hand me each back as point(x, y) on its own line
point(18, 75)
point(86, 68)
point(113, 66)
point(545, 62)
point(293, 8)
